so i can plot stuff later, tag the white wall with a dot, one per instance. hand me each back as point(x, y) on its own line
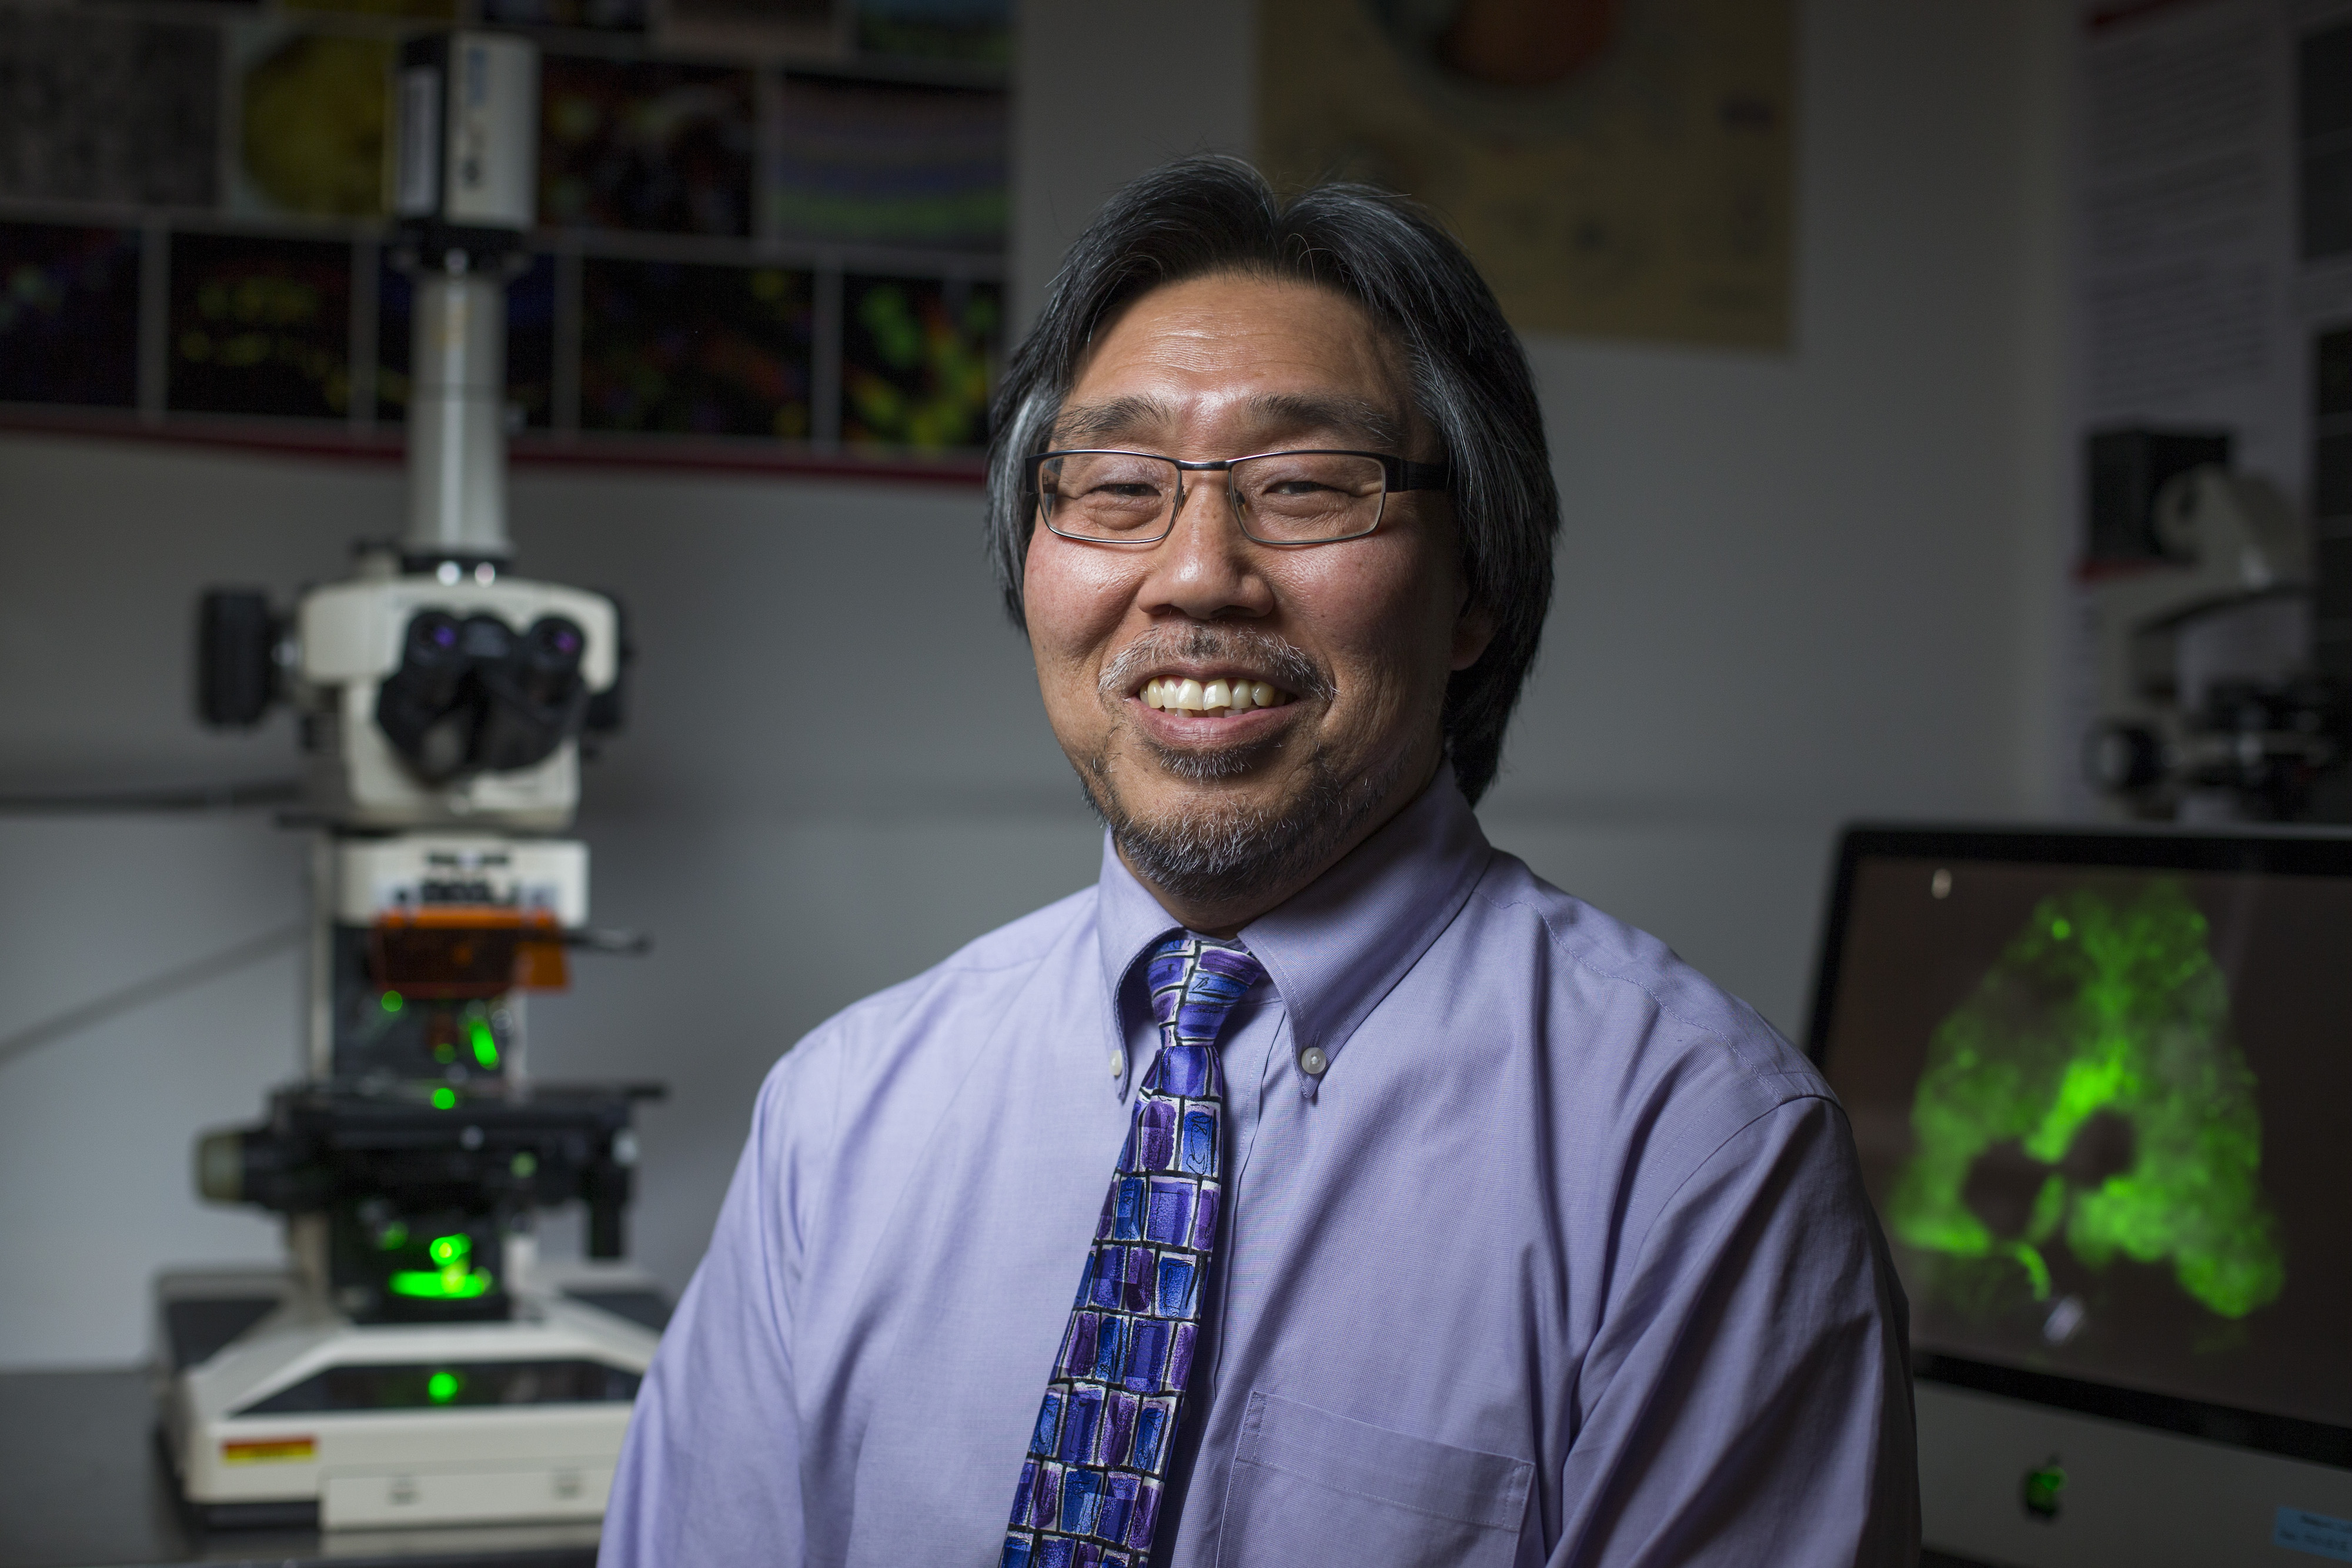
point(1794, 589)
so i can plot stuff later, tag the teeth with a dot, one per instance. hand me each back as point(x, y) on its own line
point(1218, 696)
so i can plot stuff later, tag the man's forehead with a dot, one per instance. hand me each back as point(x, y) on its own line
point(1338, 416)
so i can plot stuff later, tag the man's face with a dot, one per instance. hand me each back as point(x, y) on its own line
point(1230, 811)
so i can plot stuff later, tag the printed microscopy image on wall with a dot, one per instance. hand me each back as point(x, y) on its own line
point(645, 144)
point(695, 350)
point(100, 109)
point(978, 31)
point(68, 314)
point(890, 163)
point(312, 114)
point(530, 344)
point(259, 326)
point(768, 29)
point(599, 16)
point(919, 357)
point(405, 10)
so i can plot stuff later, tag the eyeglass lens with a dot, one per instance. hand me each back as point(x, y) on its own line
point(1284, 497)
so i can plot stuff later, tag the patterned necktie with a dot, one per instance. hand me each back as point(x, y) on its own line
point(1090, 1492)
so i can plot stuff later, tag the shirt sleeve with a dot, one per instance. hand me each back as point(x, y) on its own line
point(1753, 1398)
point(709, 1472)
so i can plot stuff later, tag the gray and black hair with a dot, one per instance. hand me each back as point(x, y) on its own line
point(1206, 215)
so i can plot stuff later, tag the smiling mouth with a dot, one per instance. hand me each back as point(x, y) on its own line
point(1222, 696)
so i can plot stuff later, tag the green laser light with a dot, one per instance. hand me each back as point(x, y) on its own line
point(485, 1044)
point(392, 1002)
point(444, 1099)
point(449, 1250)
point(455, 1283)
point(442, 1386)
point(2041, 1489)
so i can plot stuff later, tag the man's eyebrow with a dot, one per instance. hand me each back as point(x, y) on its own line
point(1081, 424)
point(1351, 418)
point(1348, 418)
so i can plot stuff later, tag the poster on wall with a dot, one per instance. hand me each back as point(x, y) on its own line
point(2212, 325)
point(918, 357)
point(260, 326)
point(692, 350)
point(773, 229)
point(874, 163)
point(312, 109)
point(650, 145)
point(98, 110)
point(1618, 168)
point(68, 314)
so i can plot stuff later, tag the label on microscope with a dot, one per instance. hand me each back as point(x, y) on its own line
point(2313, 1533)
point(271, 1451)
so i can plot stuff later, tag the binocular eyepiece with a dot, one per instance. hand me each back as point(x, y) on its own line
point(474, 696)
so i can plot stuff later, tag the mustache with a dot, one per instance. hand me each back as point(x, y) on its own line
point(1281, 664)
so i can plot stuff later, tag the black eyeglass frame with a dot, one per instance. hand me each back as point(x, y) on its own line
point(1396, 474)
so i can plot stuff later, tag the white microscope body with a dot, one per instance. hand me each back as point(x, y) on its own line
point(416, 1365)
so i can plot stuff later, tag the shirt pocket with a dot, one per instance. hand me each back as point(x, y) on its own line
point(1310, 1487)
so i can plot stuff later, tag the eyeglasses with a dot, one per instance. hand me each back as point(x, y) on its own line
point(1279, 497)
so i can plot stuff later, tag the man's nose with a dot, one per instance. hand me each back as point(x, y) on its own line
point(1207, 567)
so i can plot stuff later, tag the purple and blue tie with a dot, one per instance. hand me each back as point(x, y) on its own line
point(1089, 1490)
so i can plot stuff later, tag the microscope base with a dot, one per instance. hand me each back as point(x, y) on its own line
point(307, 1415)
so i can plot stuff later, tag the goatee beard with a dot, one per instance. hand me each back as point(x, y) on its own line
point(1212, 851)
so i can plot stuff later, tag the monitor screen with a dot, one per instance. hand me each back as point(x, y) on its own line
point(2101, 1085)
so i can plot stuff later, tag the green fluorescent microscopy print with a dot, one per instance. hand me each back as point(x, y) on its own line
point(694, 349)
point(260, 325)
point(919, 358)
point(2091, 1090)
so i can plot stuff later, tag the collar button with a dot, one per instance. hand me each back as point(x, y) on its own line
point(1312, 1061)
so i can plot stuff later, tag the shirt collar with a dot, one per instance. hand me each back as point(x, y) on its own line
point(1338, 947)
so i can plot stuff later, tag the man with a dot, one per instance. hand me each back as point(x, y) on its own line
point(1419, 1213)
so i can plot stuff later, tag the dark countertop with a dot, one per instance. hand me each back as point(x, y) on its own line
point(83, 1484)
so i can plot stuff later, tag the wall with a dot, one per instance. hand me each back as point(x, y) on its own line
point(1795, 589)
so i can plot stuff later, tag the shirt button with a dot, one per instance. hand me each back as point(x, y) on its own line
point(1118, 1062)
point(1312, 1061)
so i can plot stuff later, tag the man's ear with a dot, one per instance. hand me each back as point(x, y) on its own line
point(1474, 629)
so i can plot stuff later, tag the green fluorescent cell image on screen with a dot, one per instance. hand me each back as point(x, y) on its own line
point(2090, 1093)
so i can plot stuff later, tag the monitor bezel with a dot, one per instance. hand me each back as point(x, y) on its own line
point(2284, 852)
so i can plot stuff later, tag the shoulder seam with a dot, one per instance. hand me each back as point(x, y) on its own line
point(1582, 961)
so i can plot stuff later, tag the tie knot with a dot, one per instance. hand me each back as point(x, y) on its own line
point(1195, 981)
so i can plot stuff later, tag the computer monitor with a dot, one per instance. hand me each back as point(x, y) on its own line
point(2101, 1085)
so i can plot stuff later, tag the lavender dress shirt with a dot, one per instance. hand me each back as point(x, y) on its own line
point(1540, 1249)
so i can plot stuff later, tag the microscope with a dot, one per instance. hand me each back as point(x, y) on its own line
point(2208, 707)
point(417, 1364)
